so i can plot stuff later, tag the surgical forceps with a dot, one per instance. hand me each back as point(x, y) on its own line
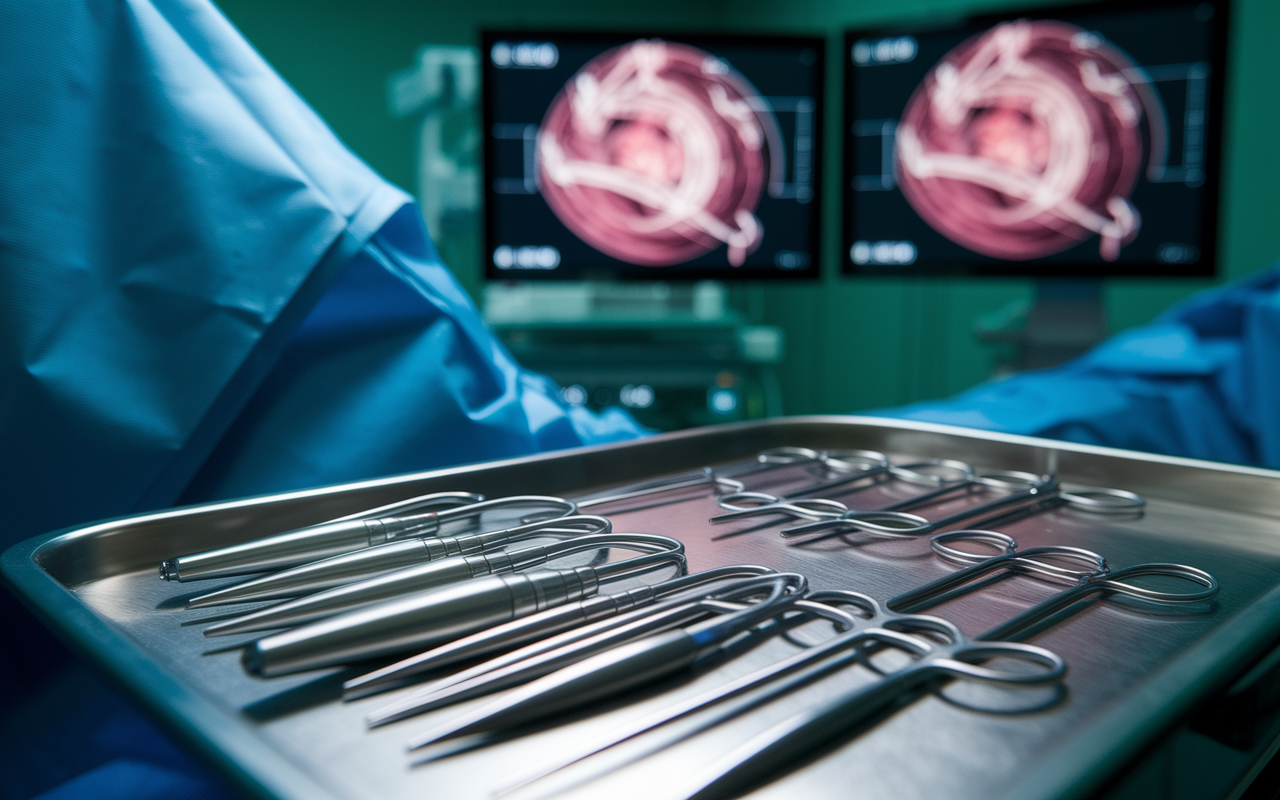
point(476, 598)
point(796, 739)
point(886, 629)
point(516, 633)
point(542, 658)
point(422, 577)
point(1044, 494)
point(636, 663)
point(889, 521)
point(328, 539)
point(372, 561)
point(1008, 558)
point(877, 626)
point(1100, 582)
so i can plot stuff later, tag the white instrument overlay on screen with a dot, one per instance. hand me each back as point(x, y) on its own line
point(657, 153)
point(1025, 140)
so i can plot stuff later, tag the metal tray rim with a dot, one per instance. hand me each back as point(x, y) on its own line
point(220, 736)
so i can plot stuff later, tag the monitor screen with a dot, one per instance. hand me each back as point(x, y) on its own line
point(1076, 142)
point(648, 156)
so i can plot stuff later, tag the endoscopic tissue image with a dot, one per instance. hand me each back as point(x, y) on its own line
point(1025, 140)
point(656, 153)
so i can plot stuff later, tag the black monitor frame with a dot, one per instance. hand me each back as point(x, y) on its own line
point(980, 265)
point(607, 267)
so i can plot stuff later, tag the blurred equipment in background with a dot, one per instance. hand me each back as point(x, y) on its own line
point(671, 354)
point(443, 89)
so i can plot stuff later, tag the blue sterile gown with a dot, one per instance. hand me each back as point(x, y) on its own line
point(204, 294)
point(1201, 381)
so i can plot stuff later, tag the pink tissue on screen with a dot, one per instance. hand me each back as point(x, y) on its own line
point(1024, 141)
point(656, 153)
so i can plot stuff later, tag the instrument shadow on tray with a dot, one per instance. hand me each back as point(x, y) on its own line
point(325, 689)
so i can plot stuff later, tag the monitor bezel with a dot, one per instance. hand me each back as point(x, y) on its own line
point(1206, 267)
point(637, 272)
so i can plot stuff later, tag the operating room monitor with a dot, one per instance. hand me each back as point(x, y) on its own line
point(1071, 142)
point(659, 157)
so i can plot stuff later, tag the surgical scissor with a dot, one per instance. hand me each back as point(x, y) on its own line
point(876, 626)
point(1071, 564)
point(1105, 585)
point(1096, 580)
point(1044, 494)
point(879, 628)
point(545, 657)
point(890, 521)
point(636, 663)
point(793, 740)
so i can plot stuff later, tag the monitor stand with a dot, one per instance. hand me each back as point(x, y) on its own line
point(1066, 320)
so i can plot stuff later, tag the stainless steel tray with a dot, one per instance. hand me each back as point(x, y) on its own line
point(1134, 671)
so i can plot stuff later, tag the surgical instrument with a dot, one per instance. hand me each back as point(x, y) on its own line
point(417, 578)
point(1009, 558)
point(879, 627)
point(1098, 501)
point(434, 616)
point(544, 657)
point(961, 475)
point(1092, 580)
point(796, 739)
point(838, 461)
point(772, 750)
point(630, 665)
point(373, 561)
point(708, 477)
point(1107, 585)
point(891, 520)
point(761, 504)
point(511, 635)
point(315, 542)
point(1099, 581)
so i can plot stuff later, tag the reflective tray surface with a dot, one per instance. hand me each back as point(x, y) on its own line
point(1134, 669)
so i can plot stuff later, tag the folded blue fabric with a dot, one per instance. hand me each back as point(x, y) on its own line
point(393, 371)
point(188, 263)
point(1200, 381)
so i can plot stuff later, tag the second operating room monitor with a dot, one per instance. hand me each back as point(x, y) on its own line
point(651, 156)
point(1073, 142)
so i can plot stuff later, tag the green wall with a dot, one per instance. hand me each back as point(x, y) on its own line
point(852, 344)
